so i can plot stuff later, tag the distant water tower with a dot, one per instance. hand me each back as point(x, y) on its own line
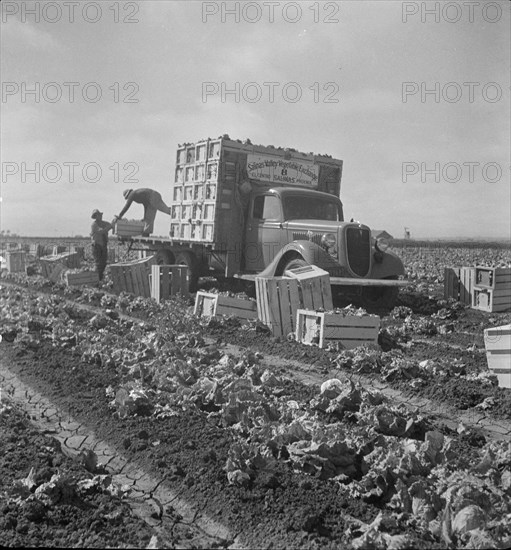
point(407, 233)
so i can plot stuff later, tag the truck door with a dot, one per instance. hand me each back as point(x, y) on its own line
point(264, 231)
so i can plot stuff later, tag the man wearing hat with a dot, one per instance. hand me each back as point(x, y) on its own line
point(152, 202)
point(99, 235)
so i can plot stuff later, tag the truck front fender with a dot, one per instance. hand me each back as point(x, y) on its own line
point(310, 252)
point(390, 266)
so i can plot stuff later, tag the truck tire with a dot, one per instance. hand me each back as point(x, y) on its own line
point(379, 297)
point(189, 259)
point(164, 257)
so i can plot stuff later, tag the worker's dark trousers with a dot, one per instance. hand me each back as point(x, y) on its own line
point(100, 258)
point(150, 210)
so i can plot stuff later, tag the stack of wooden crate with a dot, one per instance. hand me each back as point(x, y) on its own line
point(133, 277)
point(168, 280)
point(280, 298)
point(492, 289)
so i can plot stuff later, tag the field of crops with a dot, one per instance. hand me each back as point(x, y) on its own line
point(124, 423)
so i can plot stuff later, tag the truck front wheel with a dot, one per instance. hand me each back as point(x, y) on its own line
point(164, 257)
point(379, 297)
point(189, 259)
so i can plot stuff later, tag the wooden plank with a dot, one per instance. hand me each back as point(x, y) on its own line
point(353, 281)
point(166, 277)
point(82, 278)
point(451, 283)
point(467, 277)
point(286, 306)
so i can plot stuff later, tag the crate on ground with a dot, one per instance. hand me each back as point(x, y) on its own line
point(208, 304)
point(70, 260)
point(497, 341)
point(279, 298)
point(133, 277)
point(314, 284)
point(493, 277)
point(458, 283)
point(491, 299)
point(81, 278)
point(129, 228)
point(15, 261)
point(323, 328)
point(168, 280)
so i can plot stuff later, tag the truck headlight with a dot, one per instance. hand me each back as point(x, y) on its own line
point(329, 243)
point(381, 245)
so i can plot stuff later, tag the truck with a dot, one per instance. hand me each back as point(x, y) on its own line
point(240, 210)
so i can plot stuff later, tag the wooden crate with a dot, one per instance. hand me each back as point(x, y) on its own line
point(497, 341)
point(458, 283)
point(491, 299)
point(81, 278)
point(168, 280)
point(133, 277)
point(36, 250)
point(279, 298)
point(314, 284)
point(208, 304)
point(68, 260)
point(15, 261)
point(493, 277)
point(129, 228)
point(322, 328)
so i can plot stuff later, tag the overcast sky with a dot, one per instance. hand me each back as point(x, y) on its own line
point(413, 96)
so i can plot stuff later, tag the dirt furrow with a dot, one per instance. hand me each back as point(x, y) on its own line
point(148, 496)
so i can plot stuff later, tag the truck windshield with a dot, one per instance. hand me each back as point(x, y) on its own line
point(311, 208)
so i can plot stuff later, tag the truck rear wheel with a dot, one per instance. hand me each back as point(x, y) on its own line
point(379, 296)
point(189, 259)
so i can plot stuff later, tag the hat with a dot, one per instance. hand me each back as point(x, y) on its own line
point(126, 192)
point(95, 212)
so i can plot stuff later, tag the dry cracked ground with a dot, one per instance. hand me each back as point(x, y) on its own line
point(124, 423)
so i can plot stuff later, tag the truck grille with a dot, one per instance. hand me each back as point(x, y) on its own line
point(302, 236)
point(358, 247)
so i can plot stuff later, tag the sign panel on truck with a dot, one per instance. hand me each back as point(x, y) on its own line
point(282, 171)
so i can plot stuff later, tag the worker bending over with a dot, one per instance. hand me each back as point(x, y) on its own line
point(152, 202)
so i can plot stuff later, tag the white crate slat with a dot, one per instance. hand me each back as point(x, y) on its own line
point(497, 341)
